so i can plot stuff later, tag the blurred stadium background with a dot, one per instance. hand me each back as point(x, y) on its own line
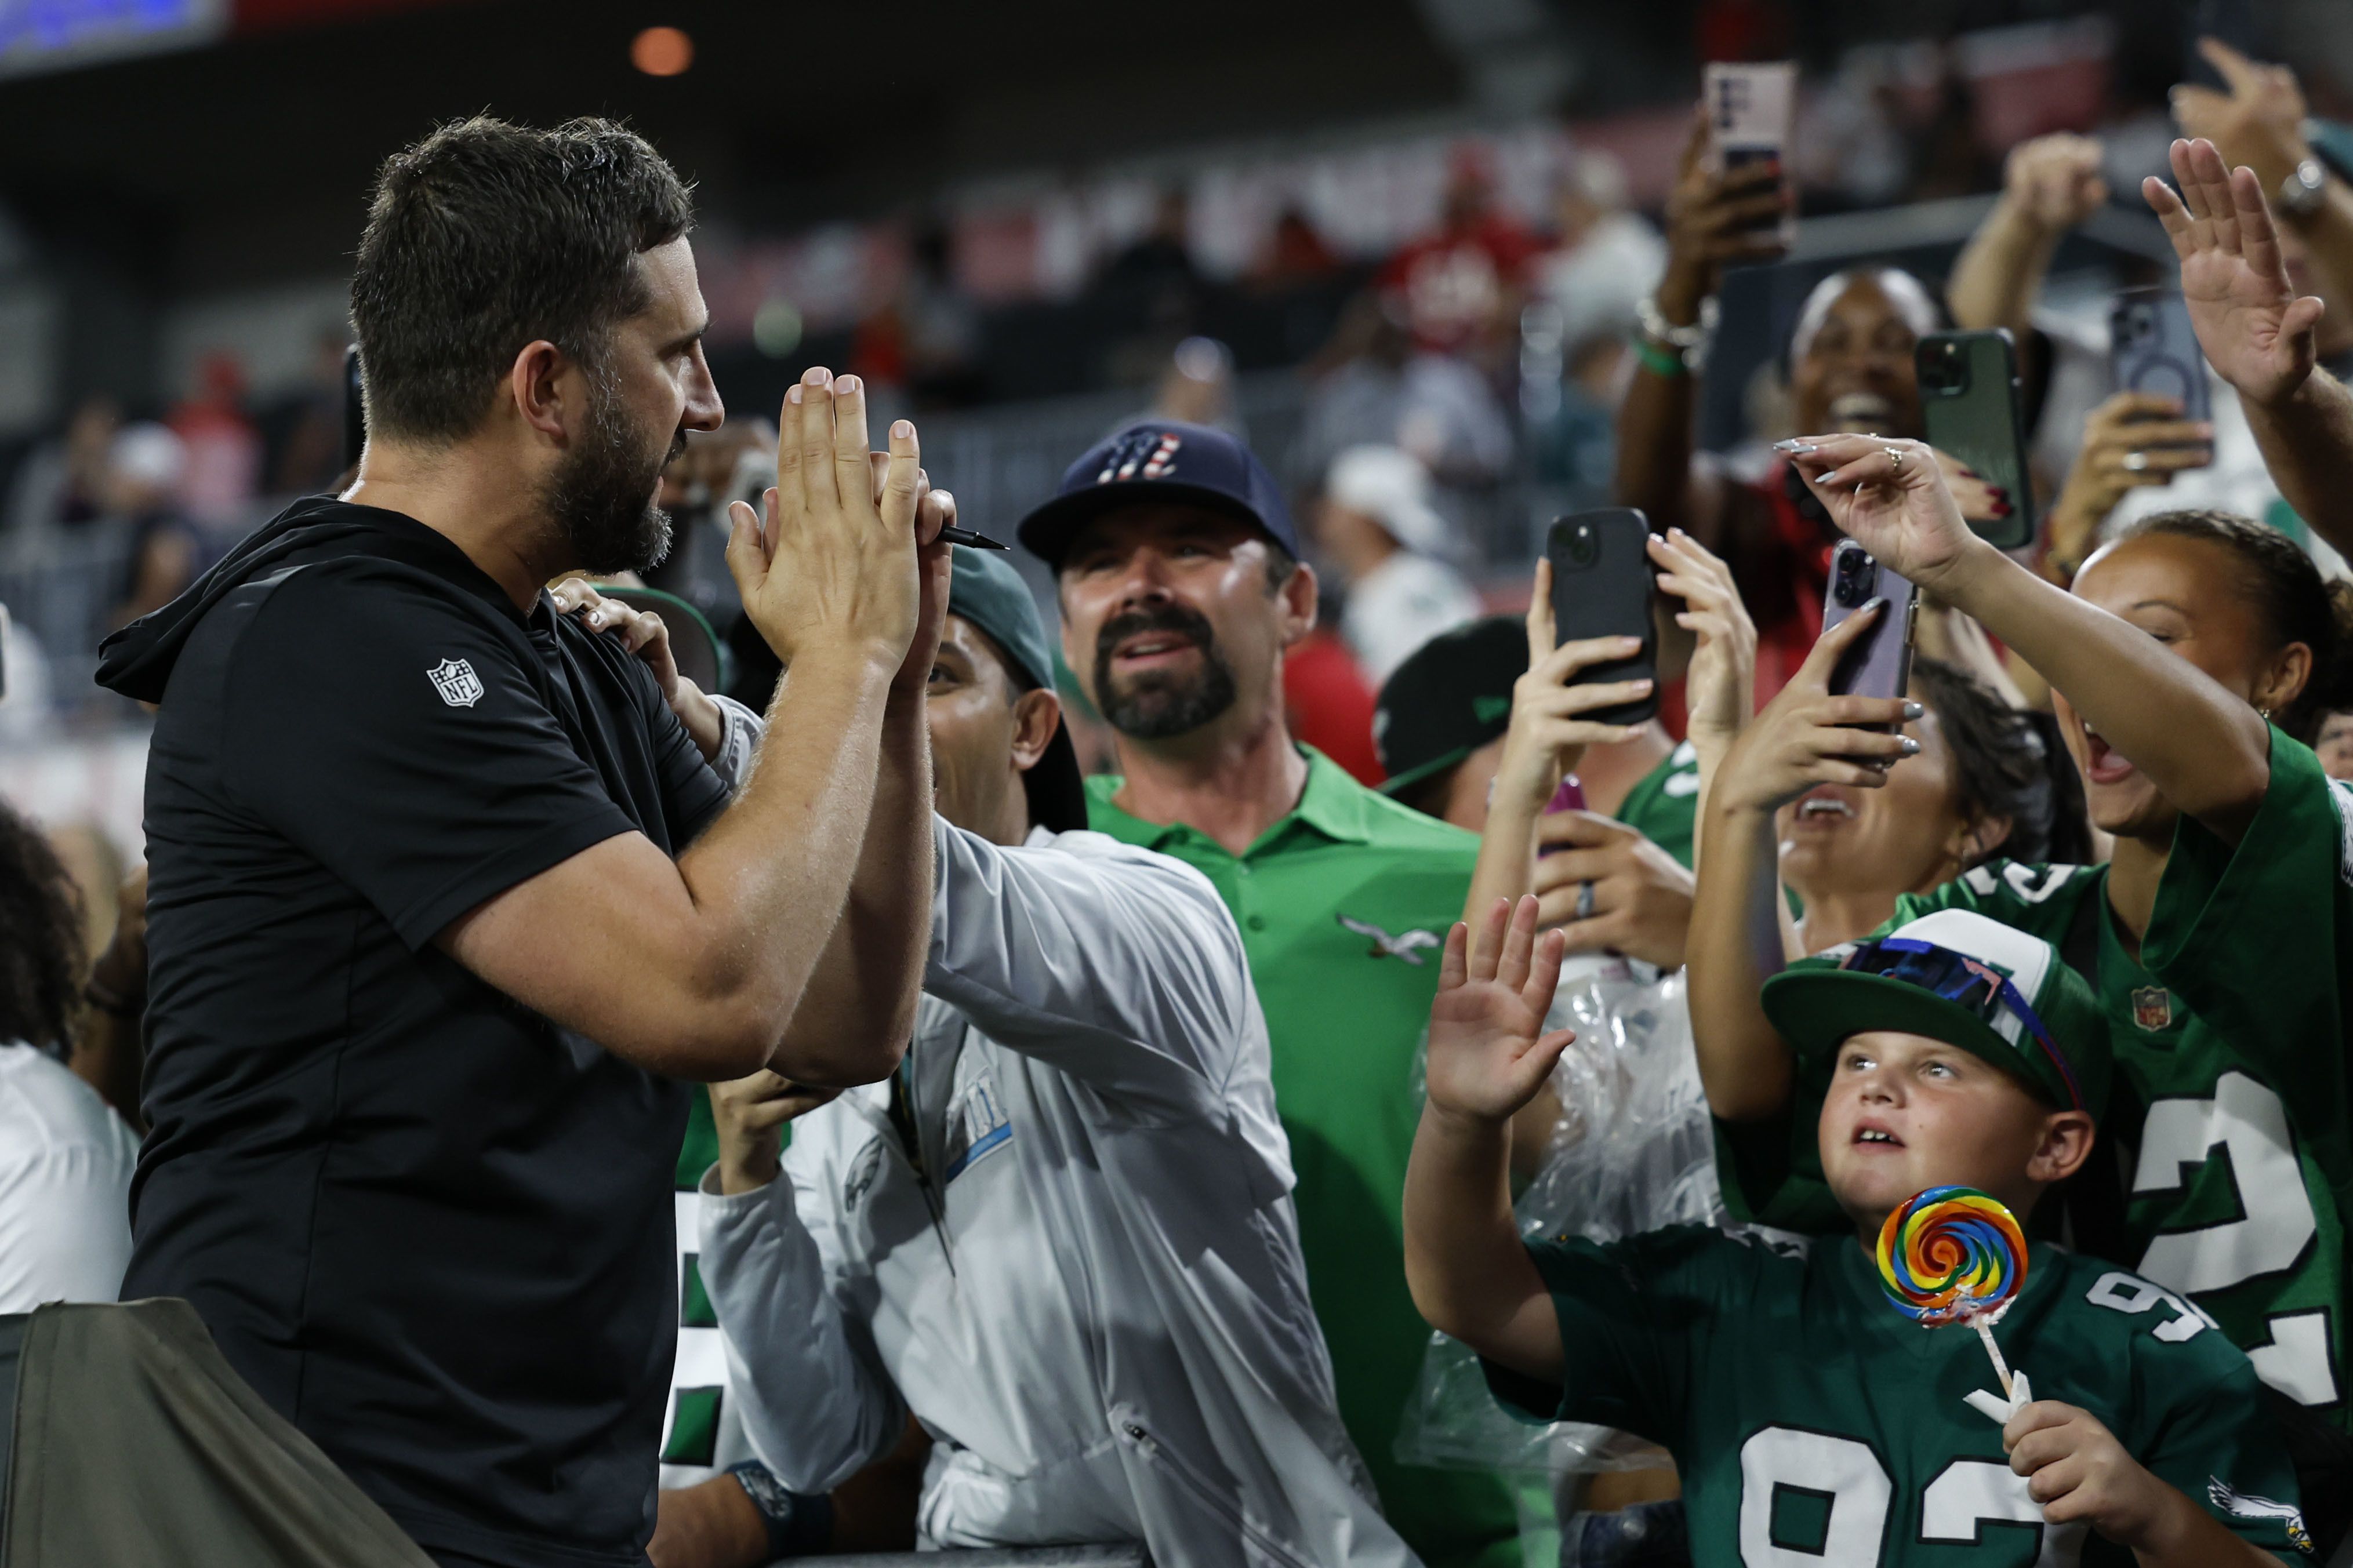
point(1022, 221)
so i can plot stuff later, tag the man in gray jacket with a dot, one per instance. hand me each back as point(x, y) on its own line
point(1062, 1237)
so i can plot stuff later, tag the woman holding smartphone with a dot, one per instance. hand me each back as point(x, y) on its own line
point(2188, 662)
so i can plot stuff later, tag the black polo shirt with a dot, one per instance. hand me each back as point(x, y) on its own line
point(431, 1227)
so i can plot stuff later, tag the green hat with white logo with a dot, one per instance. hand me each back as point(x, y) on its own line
point(1451, 696)
point(1956, 976)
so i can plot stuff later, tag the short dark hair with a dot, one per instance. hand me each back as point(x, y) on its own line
point(40, 939)
point(2007, 763)
point(486, 237)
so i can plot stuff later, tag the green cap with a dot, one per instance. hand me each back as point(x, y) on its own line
point(1451, 696)
point(984, 589)
point(1956, 976)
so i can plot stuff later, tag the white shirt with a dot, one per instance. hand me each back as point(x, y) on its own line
point(1063, 1236)
point(65, 1185)
point(1400, 604)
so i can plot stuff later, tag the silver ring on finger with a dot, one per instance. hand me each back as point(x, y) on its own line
point(1584, 901)
point(2136, 462)
point(1896, 456)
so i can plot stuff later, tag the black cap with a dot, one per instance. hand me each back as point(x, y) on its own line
point(1451, 696)
point(986, 590)
point(1161, 459)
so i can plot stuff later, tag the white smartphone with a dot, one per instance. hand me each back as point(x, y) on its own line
point(1750, 109)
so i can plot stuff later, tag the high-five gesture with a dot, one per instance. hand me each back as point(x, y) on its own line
point(834, 561)
point(1488, 1050)
point(1890, 497)
point(2257, 331)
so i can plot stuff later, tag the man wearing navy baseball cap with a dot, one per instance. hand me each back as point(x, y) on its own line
point(1181, 588)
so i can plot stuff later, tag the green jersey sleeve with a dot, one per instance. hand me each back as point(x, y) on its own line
point(1629, 1313)
point(1663, 802)
point(2255, 936)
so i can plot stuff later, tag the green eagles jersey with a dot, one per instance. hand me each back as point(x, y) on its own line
point(701, 1435)
point(1664, 801)
point(1814, 1424)
point(2229, 1117)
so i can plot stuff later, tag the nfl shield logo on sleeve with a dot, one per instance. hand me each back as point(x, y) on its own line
point(455, 679)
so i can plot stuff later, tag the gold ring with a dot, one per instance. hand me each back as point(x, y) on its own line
point(1894, 458)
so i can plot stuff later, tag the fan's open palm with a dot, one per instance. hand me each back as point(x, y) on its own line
point(2256, 332)
point(1488, 1050)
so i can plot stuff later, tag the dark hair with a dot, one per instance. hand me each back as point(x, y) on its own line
point(2297, 602)
point(2006, 763)
point(1280, 564)
point(486, 237)
point(40, 939)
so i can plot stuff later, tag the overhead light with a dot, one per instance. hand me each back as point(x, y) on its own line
point(661, 51)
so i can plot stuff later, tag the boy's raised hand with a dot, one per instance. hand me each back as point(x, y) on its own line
point(1488, 1050)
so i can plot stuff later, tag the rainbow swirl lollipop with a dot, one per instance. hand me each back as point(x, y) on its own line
point(1951, 1254)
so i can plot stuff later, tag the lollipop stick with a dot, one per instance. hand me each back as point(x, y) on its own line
point(1984, 1326)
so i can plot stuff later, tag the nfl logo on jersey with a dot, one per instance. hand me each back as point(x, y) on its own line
point(455, 679)
point(2153, 1008)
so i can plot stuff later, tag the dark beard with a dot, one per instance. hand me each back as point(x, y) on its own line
point(1158, 705)
point(600, 495)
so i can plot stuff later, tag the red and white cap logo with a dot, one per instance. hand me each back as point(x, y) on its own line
point(1147, 454)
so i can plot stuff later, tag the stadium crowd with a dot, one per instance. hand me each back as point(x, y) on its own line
point(672, 1011)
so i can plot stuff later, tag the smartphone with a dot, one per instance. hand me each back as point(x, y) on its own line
point(1750, 107)
point(1970, 402)
point(2153, 348)
point(1880, 664)
point(1602, 586)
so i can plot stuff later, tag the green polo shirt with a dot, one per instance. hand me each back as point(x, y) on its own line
point(1344, 907)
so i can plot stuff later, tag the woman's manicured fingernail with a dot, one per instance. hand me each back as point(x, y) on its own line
point(1795, 447)
point(1912, 709)
point(1910, 746)
point(2003, 509)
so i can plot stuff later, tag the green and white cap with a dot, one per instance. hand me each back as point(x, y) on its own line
point(1956, 976)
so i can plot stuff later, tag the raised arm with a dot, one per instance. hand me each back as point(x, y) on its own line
point(695, 967)
point(2048, 185)
point(2206, 751)
point(1469, 1273)
point(2258, 333)
point(1710, 219)
point(1804, 737)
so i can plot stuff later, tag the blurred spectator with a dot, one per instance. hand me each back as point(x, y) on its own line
point(1380, 393)
point(1609, 258)
point(303, 431)
point(927, 338)
point(1460, 283)
point(1295, 254)
point(736, 462)
point(65, 1159)
point(223, 450)
point(146, 469)
point(2335, 745)
point(1328, 704)
point(1376, 528)
point(1198, 387)
point(62, 483)
point(1155, 270)
point(1577, 448)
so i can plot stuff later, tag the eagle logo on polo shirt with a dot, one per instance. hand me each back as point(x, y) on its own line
point(455, 679)
point(1406, 946)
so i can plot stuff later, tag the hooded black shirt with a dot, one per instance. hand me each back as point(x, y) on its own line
point(426, 1224)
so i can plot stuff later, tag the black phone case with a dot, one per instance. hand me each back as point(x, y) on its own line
point(1880, 665)
point(1971, 403)
point(1602, 586)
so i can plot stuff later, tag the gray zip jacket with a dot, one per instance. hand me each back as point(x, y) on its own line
point(1063, 1236)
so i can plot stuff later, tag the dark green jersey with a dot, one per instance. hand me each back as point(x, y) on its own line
point(1664, 801)
point(2230, 1111)
point(1814, 1424)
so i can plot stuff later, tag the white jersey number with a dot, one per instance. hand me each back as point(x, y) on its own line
point(1965, 1496)
point(2248, 1122)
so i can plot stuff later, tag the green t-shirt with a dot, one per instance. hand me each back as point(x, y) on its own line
point(1664, 801)
point(1813, 1423)
point(1344, 907)
point(2229, 1117)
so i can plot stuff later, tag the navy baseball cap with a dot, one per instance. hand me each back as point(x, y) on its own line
point(1161, 459)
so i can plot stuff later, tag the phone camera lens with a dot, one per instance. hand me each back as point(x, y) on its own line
point(1584, 549)
point(1853, 584)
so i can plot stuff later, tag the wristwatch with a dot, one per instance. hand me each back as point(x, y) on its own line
point(2303, 189)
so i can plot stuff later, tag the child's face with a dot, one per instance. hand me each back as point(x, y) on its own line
point(1905, 1113)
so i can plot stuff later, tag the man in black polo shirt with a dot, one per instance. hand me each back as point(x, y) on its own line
point(444, 901)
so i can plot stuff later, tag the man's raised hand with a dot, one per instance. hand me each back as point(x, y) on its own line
point(833, 565)
point(1488, 1051)
point(2256, 332)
